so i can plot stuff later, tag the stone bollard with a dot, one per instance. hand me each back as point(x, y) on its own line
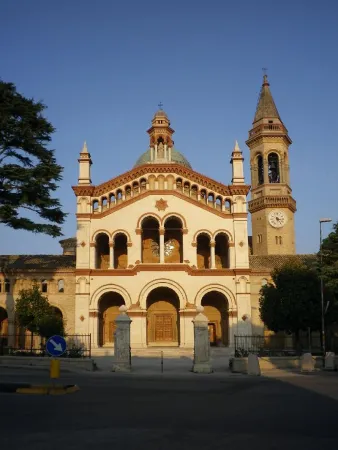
point(253, 365)
point(202, 362)
point(330, 361)
point(122, 342)
point(307, 363)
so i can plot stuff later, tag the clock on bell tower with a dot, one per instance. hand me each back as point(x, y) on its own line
point(272, 206)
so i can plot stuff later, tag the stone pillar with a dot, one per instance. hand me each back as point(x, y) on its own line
point(161, 245)
point(111, 255)
point(92, 262)
point(212, 255)
point(122, 353)
point(94, 327)
point(202, 363)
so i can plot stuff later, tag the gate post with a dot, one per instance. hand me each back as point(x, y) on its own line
point(122, 351)
point(202, 362)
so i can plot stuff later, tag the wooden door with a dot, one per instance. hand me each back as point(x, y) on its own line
point(164, 328)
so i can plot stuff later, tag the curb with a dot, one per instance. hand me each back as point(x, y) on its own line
point(26, 388)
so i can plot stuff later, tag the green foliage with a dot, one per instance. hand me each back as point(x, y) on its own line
point(330, 261)
point(34, 313)
point(293, 302)
point(28, 169)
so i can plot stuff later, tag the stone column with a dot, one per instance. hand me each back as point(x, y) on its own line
point(92, 262)
point(212, 255)
point(202, 363)
point(122, 353)
point(111, 255)
point(94, 327)
point(161, 245)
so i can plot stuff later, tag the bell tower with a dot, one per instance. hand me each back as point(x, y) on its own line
point(271, 206)
point(160, 134)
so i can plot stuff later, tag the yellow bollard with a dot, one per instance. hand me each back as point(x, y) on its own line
point(55, 368)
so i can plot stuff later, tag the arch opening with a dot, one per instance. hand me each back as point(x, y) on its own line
point(3, 322)
point(120, 251)
point(273, 168)
point(150, 240)
point(216, 309)
point(260, 170)
point(163, 322)
point(173, 240)
point(222, 251)
point(102, 251)
point(203, 251)
point(109, 305)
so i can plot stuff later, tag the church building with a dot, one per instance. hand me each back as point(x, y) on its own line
point(163, 239)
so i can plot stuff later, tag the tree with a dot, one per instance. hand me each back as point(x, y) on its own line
point(28, 170)
point(35, 314)
point(292, 302)
point(330, 261)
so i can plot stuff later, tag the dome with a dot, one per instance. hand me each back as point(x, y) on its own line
point(176, 157)
point(160, 113)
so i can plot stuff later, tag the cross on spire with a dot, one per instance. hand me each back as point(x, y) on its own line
point(160, 105)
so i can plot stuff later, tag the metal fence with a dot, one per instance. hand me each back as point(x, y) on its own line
point(282, 345)
point(78, 345)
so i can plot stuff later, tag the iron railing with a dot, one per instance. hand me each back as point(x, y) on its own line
point(78, 345)
point(282, 345)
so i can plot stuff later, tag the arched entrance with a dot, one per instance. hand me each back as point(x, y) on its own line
point(3, 322)
point(109, 305)
point(163, 327)
point(216, 309)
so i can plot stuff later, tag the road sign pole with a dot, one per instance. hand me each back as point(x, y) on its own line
point(54, 368)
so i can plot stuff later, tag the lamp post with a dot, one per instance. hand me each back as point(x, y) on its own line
point(322, 283)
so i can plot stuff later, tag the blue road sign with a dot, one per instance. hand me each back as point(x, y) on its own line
point(56, 345)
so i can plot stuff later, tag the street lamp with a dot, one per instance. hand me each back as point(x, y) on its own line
point(322, 283)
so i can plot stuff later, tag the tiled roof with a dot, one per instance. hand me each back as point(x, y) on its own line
point(271, 262)
point(36, 262)
point(266, 107)
point(176, 157)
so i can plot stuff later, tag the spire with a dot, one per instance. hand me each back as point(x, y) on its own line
point(84, 148)
point(266, 108)
point(237, 165)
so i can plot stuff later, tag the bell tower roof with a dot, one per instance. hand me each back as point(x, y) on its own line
point(266, 108)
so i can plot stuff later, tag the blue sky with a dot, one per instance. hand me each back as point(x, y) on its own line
point(102, 67)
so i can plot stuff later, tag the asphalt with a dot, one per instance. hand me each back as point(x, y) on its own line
point(172, 412)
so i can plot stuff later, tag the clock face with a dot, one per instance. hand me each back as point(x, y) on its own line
point(277, 219)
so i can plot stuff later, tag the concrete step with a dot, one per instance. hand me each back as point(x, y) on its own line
point(168, 352)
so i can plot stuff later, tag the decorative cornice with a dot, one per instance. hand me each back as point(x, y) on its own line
point(272, 201)
point(140, 171)
point(162, 268)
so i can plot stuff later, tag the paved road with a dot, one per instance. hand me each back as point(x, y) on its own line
point(166, 412)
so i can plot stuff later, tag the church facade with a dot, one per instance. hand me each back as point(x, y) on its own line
point(163, 239)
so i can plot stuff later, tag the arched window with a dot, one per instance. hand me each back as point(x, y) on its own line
point(211, 200)
point(179, 185)
point(112, 199)
point(173, 240)
point(150, 240)
point(104, 202)
point(119, 196)
point(222, 251)
point(194, 191)
point(273, 168)
point(7, 285)
point(61, 286)
point(187, 188)
point(128, 191)
point(227, 205)
point(120, 251)
point(260, 169)
point(95, 205)
point(44, 286)
point(219, 203)
point(203, 251)
point(203, 195)
point(136, 188)
point(143, 184)
point(102, 251)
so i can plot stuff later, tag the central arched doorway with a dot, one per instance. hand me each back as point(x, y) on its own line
point(109, 305)
point(216, 309)
point(163, 327)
